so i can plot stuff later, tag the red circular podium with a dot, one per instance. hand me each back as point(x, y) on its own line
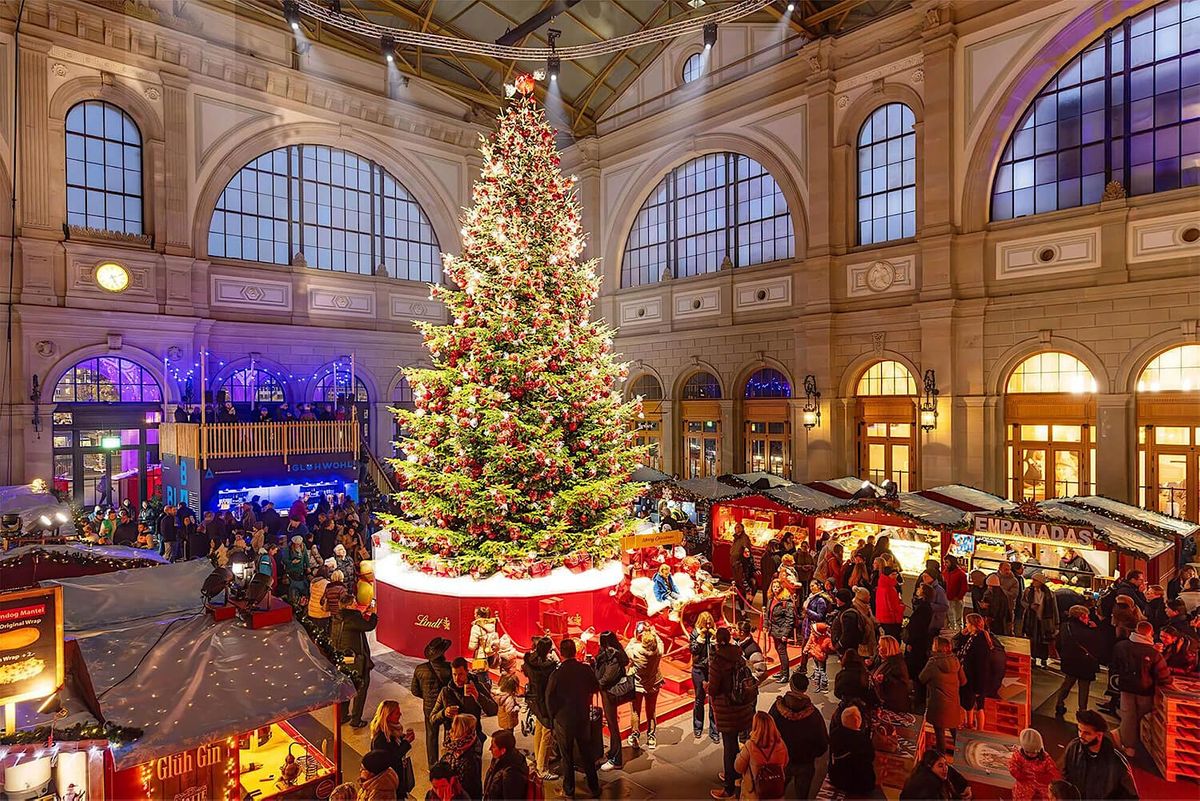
point(414, 607)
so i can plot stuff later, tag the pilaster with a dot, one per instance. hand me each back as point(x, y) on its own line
point(1116, 448)
point(36, 217)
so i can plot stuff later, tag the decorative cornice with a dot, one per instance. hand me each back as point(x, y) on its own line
point(887, 70)
point(84, 234)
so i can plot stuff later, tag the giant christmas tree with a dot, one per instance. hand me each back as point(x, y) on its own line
point(519, 450)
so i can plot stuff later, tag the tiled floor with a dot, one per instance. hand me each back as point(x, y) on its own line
point(683, 768)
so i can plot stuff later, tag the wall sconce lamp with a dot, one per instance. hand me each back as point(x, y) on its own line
point(811, 413)
point(928, 408)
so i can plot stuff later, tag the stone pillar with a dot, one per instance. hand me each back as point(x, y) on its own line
point(1116, 447)
point(728, 462)
point(174, 223)
point(37, 218)
point(669, 427)
point(937, 354)
point(995, 450)
point(969, 426)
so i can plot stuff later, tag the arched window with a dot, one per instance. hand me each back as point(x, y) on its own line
point(336, 383)
point(107, 379)
point(702, 386)
point(343, 212)
point(693, 68)
point(767, 424)
point(402, 396)
point(253, 385)
point(1125, 109)
point(1168, 418)
point(887, 175)
point(716, 206)
point(886, 378)
point(647, 386)
point(768, 383)
point(887, 430)
point(104, 168)
point(1051, 447)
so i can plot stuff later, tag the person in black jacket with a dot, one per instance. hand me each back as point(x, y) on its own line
point(701, 641)
point(1094, 765)
point(568, 700)
point(932, 777)
point(349, 634)
point(464, 694)
point(388, 736)
point(427, 682)
point(616, 688)
point(851, 756)
point(271, 518)
point(848, 628)
point(1078, 650)
point(803, 730)
point(973, 646)
point(508, 776)
point(1140, 671)
point(537, 666)
point(918, 637)
point(890, 677)
point(781, 622)
point(853, 682)
point(127, 530)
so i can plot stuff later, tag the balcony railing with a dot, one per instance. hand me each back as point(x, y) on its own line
point(241, 440)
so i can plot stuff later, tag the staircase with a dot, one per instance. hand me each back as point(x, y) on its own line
point(376, 482)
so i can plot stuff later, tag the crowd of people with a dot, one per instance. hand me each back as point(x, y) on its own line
point(223, 410)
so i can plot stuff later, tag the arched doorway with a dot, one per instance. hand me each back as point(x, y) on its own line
point(700, 421)
point(1050, 421)
point(252, 388)
point(649, 427)
point(887, 425)
point(767, 424)
point(333, 389)
point(1168, 415)
point(106, 415)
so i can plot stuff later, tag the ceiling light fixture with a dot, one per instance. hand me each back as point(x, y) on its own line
point(552, 62)
point(387, 46)
point(291, 13)
point(791, 7)
point(710, 35)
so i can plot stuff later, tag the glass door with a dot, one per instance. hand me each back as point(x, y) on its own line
point(649, 435)
point(767, 448)
point(1050, 461)
point(103, 455)
point(702, 448)
point(1170, 477)
point(887, 453)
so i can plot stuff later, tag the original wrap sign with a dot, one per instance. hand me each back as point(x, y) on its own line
point(31, 644)
point(1036, 531)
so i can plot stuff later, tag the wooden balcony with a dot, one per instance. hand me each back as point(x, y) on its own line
point(243, 440)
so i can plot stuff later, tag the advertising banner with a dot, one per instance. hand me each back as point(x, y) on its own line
point(31, 644)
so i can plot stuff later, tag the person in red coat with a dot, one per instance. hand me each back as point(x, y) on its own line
point(1032, 768)
point(956, 589)
point(889, 608)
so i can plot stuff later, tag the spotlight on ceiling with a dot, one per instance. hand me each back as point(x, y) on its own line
point(791, 7)
point(291, 13)
point(710, 35)
point(387, 46)
point(552, 63)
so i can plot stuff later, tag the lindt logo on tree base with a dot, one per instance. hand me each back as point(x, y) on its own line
point(425, 622)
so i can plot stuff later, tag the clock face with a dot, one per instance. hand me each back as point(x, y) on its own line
point(112, 277)
point(880, 276)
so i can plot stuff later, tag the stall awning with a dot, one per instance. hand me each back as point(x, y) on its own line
point(712, 489)
point(758, 480)
point(31, 506)
point(932, 512)
point(1117, 534)
point(94, 604)
point(1151, 522)
point(193, 680)
point(648, 475)
point(968, 499)
point(804, 498)
point(840, 487)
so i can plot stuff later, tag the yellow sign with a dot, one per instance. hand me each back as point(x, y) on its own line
point(31, 644)
point(655, 539)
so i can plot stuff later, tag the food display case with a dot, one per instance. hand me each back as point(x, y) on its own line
point(763, 519)
point(911, 546)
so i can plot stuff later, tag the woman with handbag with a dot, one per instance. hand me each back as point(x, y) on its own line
point(1079, 643)
point(762, 761)
point(390, 737)
point(616, 688)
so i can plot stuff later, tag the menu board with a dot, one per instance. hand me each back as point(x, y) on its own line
point(31, 644)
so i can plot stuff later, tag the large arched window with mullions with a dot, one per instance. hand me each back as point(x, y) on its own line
point(253, 385)
point(887, 175)
point(766, 413)
point(1125, 109)
point(104, 168)
point(723, 205)
point(345, 213)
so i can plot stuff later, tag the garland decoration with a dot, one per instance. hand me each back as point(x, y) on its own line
point(114, 734)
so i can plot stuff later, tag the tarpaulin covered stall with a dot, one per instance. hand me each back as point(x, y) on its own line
point(26, 565)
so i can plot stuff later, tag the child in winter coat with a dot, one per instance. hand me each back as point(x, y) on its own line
point(1032, 768)
point(507, 705)
point(819, 647)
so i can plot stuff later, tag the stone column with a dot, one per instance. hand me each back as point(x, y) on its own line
point(995, 451)
point(37, 218)
point(174, 226)
point(937, 354)
point(728, 462)
point(1116, 447)
point(969, 457)
point(669, 427)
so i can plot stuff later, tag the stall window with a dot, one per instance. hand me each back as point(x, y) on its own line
point(767, 427)
point(1050, 419)
point(701, 424)
point(310, 738)
point(887, 425)
point(1168, 410)
point(649, 426)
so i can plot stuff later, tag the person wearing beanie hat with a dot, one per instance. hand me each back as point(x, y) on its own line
point(376, 779)
point(1031, 767)
point(1039, 619)
point(803, 729)
point(996, 608)
point(848, 629)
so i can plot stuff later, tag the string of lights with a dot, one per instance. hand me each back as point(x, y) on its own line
point(402, 37)
point(114, 734)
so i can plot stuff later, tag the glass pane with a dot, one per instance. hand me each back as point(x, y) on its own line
point(778, 458)
point(1035, 433)
point(710, 457)
point(1172, 435)
point(1068, 433)
point(900, 469)
point(1066, 473)
point(876, 457)
point(876, 429)
point(901, 430)
point(1177, 369)
point(1172, 484)
point(1033, 474)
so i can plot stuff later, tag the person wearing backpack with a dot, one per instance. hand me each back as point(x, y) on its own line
point(851, 755)
point(733, 691)
point(616, 688)
point(1140, 670)
point(762, 760)
point(847, 627)
point(1078, 649)
point(802, 727)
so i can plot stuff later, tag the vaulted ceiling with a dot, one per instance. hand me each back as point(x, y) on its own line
point(587, 87)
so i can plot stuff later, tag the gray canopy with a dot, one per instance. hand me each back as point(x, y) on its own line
point(92, 604)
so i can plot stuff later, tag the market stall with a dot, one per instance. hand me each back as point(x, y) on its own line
point(219, 711)
point(1130, 547)
point(27, 565)
point(1154, 524)
point(1170, 732)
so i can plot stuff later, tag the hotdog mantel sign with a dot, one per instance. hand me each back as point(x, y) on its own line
point(31, 644)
